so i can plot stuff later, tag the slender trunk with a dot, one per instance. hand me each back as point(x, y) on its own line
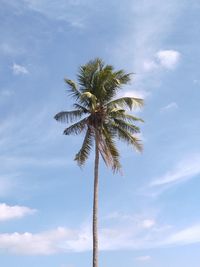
point(95, 206)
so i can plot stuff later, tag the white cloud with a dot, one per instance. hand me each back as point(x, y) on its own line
point(148, 223)
point(19, 69)
point(163, 59)
point(185, 169)
point(168, 58)
point(186, 236)
point(13, 212)
point(44, 243)
point(170, 106)
point(125, 236)
point(143, 258)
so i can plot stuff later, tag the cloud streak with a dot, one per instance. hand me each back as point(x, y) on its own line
point(128, 237)
point(143, 258)
point(170, 106)
point(184, 170)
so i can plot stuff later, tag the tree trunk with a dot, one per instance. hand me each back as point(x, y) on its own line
point(95, 206)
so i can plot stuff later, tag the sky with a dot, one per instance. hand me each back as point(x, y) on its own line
point(149, 215)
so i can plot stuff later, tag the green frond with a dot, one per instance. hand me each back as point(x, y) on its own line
point(76, 128)
point(84, 152)
point(109, 150)
point(80, 107)
point(130, 118)
point(130, 102)
point(68, 116)
point(72, 88)
point(127, 137)
point(122, 77)
point(118, 113)
point(129, 127)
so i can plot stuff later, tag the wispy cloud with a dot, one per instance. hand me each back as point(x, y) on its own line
point(6, 93)
point(142, 48)
point(149, 27)
point(73, 12)
point(7, 184)
point(14, 212)
point(10, 48)
point(188, 235)
point(148, 223)
point(20, 161)
point(170, 106)
point(19, 69)
point(62, 240)
point(143, 258)
point(185, 169)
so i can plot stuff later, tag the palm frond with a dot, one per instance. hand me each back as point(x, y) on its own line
point(80, 107)
point(130, 102)
point(127, 137)
point(76, 128)
point(129, 127)
point(69, 116)
point(130, 118)
point(109, 150)
point(122, 77)
point(84, 152)
point(118, 113)
point(72, 88)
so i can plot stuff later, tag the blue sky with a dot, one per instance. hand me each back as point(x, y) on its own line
point(149, 216)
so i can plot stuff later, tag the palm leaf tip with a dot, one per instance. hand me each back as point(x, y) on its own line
point(56, 117)
point(84, 152)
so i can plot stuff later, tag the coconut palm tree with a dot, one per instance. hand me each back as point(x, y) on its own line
point(102, 118)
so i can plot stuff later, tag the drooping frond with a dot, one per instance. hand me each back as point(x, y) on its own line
point(127, 137)
point(126, 126)
point(80, 107)
point(130, 118)
point(109, 150)
point(69, 116)
point(76, 128)
point(130, 102)
point(118, 113)
point(84, 152)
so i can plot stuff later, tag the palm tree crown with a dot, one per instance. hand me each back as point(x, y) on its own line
point(101, 116)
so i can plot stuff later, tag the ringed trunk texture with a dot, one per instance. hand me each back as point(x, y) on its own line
point(95, 206)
